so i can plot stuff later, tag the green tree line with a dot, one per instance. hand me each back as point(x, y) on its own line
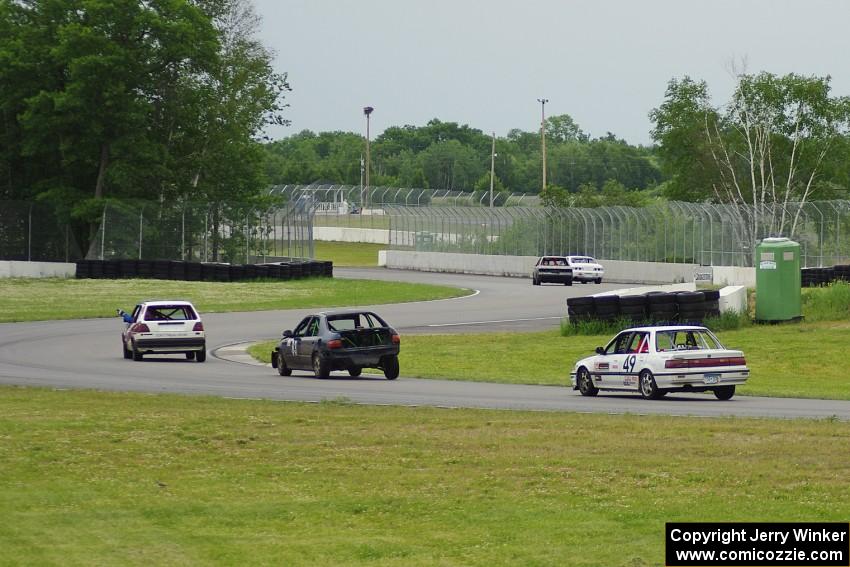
point(448, 156)
point(115, 100)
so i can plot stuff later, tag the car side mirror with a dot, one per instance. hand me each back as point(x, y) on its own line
point(600, 350)
point(287, 334)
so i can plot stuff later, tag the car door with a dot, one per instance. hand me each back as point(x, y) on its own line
point(616, 357)
point(636, 358)
point(289, 346)
point(307, 343)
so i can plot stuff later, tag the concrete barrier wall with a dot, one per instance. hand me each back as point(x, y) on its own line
point(733, 298)
point(344, 234)
point(16, 269)
point(732, 275)
point(522, 266)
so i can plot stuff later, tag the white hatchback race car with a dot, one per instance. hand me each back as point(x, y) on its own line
point(586, 269)
point(657, 360)
point(163, 327)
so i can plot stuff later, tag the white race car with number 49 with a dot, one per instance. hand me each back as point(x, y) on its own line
point(657, 360)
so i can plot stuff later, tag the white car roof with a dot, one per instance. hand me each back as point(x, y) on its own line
point(167, 302)
point(667, 328)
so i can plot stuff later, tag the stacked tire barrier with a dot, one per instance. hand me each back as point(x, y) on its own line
point(201, 271)
point(655, 307)
point(814, 277)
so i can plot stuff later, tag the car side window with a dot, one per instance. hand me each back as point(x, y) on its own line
point(619, 345)
point(313, 327)
point(639, 343)
point(301, 329)
point(136, 313)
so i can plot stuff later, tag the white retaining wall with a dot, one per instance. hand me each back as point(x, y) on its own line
point(344, 234)
point(16, 269)
point(522, 266)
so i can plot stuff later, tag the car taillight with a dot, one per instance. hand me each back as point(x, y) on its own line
point(396, 339)
point(334, 343)
point(141, 328)
point(703, 362)
point(198, 326)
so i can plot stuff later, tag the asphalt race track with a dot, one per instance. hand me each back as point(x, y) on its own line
point(87, 354)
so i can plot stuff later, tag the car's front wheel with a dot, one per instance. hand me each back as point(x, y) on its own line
point(190, 355)
point(535, 281)
point(585, 383)
point(320, 367)
point(282, 368)
point(391, 368)
point(648, 387)
point(724, 392)
point(355, 371)
point(599, 280)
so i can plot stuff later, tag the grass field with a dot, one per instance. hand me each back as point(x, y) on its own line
point(43, 299)
point(806, 360)
point(129, 479)
point(348, 254)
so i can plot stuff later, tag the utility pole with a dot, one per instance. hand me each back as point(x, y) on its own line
point(367, 110)
point(543, 102)
point(492, 168)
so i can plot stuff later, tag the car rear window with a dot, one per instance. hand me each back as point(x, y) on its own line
point(170, 313)
point(685, 340)
point(350, 321)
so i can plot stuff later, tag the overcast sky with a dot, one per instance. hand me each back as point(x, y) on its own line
point(485, 63)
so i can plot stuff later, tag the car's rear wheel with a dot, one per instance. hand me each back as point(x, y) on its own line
point(137, 356)
point(724, 392)
point(599, 280)
point(355, 371)
point(320, 367)
point(127, 352)
point(585, 383)
point(391, 367)
point(190, 356)
point(648, 387)
point(201, 355)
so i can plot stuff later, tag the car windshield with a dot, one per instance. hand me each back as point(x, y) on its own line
point(686, 339)
point(169, 313)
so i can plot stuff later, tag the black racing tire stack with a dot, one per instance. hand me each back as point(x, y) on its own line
point(691, 306)
point(580, 309)
point(607, 307)
point(635, 307)
point(662, 306)
point(712, 302)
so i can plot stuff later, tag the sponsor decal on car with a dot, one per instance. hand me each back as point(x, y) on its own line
point(630, 381)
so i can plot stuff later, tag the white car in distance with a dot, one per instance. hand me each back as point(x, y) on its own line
point(163, 327)
point(657, 360)
point(586, 269)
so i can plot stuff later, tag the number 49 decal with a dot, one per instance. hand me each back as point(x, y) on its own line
point(629, 363)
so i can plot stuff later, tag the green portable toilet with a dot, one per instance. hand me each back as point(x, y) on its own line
point(778, 280)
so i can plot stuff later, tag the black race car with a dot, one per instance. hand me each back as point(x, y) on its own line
point(554, 269)
point(339, 340)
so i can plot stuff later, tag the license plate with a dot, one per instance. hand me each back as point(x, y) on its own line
point(712, 378)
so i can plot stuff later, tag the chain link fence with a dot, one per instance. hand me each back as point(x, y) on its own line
point(34, 232)
point(220, 232)
point(700, 233)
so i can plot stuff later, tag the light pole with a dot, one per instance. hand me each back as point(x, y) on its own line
point(367, 110)
point(543, 102)
point(492, 168)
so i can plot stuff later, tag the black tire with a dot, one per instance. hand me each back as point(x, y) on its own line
point(535, 281)
point(391, 367)
point(320, 367)
point(128, 354)
point(724, 392)
point(647, 386)
point(598, 280)
point(585, 383)
point(190, 355)
point(355, 371)
point(282, 368)
point(568, 282)
point(137, 356)
point(201, 355)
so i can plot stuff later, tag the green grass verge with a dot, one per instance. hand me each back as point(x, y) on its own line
point(129, 479)
point(348, 254)
point(805, 360)
point(43, 299)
